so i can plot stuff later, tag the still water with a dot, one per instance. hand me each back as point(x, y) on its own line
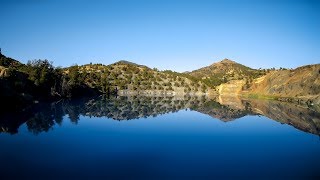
point(161, 138)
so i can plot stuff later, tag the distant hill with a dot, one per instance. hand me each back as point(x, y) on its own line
point(300, 85)
point(9, 62)
point(25, 84)
point(224, 71)
point(39, 80)
point(125, 62)
point(125, 77)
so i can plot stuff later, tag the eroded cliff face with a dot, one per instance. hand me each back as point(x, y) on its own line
point(301, 82)
point(3, 72)
point(300, 85)
point(232, 88)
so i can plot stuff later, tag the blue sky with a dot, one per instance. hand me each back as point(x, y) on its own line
point(180, 35)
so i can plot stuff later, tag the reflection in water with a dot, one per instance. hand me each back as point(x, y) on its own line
point(287, 113)
point(43, 118)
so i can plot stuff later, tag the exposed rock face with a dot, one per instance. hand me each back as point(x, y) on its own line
point(232, 88)
point(3, 72)
point(302, 82)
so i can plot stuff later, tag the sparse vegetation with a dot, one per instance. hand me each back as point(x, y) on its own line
point(39, 80)
point(225, 71)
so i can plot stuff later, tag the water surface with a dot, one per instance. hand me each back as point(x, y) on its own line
point(161, 138)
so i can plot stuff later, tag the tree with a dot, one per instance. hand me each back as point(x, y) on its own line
point(43, 75)
point(74, 75)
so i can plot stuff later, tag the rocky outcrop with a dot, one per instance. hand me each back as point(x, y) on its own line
point(303, 82)
point(232, 88)
point(3, 72)
point(301, 85)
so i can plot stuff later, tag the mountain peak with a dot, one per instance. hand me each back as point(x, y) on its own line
point(223, 71)
point(125, 62)
point(227, 61)
point(224, 62)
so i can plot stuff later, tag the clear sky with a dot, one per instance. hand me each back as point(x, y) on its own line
point(179, 35)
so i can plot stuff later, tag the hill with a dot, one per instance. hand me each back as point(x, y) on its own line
point(124, 77)
point(301, 85)
point(224, 71)
point(9, 62)
point(39, 80)
point(125, 62)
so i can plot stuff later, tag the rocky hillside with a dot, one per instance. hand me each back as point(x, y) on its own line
point(39, 80)
point(9, 62)
point(301, 85)
point(224, 71)
point(303, 82)
point(124, 77)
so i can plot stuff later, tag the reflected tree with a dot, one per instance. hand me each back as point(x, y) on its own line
point(135, 107)
point(41, 122)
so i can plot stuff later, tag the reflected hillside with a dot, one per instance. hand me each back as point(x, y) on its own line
point(221, 112)
point(135, 107)
point(130, 107)
point(286, 113)
point(44, 117)
point(300, 117)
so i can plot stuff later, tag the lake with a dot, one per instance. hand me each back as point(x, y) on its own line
point(161, 138)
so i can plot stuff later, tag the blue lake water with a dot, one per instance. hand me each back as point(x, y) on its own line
point(139, 140)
